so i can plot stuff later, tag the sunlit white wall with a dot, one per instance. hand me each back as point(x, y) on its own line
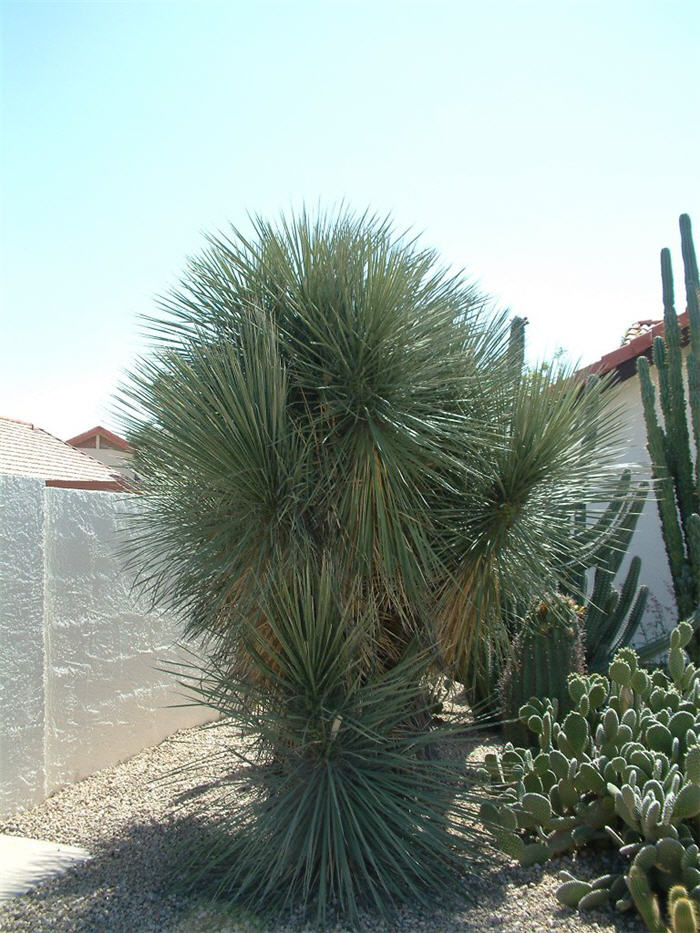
point(80, 687)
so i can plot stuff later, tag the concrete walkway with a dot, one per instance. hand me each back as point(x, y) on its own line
point(25, 863)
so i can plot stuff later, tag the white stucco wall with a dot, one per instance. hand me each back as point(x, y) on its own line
point(22, 772)
point(79, 652)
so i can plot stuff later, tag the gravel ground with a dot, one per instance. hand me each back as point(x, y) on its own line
point(130, 819)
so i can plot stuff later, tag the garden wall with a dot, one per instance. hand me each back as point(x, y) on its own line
point(80, 687)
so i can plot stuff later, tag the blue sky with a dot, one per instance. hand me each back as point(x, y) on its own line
point(547, 147)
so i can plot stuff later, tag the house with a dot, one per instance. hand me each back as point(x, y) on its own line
point(647, 540)
point(104, 445)
point(637, 342)
point(26, 450)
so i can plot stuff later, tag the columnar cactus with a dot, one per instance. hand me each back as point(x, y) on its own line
point(548, 649)
point(612, 616)
point(675, 479)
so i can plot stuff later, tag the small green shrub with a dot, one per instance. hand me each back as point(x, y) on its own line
point(621, 769)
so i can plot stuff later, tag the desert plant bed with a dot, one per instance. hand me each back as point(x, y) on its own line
point(135, 819)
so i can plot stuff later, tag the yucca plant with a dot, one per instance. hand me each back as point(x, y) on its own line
point(324, 393)
point(536, 409)
point(327, 384)
point(349, 808)
point(510, 532)
point(308, 389)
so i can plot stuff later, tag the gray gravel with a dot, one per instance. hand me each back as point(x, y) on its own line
point(130, 819)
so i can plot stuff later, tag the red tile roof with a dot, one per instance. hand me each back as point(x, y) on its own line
point(623, 358)
point(26, 450)
point(113, 440)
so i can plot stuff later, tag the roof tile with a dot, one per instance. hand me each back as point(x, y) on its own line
point(631, 350)
point(26, 450)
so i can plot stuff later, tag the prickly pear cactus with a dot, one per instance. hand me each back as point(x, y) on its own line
point(682, 908)
point(548, 649)
point(621, 769)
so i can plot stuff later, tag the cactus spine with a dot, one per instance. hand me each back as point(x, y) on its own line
point(675, 480)
point(646, 902)
point(682, 909)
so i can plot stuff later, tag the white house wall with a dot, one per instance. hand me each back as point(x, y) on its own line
point(79, 657)
point(118, 461)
